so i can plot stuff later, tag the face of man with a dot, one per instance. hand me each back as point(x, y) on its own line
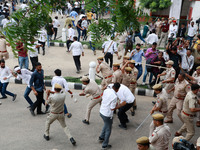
point(174, 23)
point(157, 91)
point(198, 71)
point(160, 55)
point(198, 47)
point(154, 47)
point(19, 71)
point(85, 83)
point(182, 26)
point(168, 66)
point(180, 78)
point(115, 68)
point(131, 65)
point(188, 52)
point(99, 61)
point(174, 51)
point(137, 47)
point(39, 68)
point(192, 23)
point(2, 65)
point(142, 147)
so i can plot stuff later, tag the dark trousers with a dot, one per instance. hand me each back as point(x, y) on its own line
point(55, 32)
point(43, 47)
point(77, 62)
point(68, 44)
point(89, 22)
point(123, 118)
point(84, 34)
point(34, 60)
point(38, 102)
point(79, 32)
point(106, 131)
point(4, 92)
point(107, 57)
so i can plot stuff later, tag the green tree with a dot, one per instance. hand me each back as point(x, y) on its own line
point(155, 5)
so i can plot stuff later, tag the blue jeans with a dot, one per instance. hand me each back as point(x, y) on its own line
point(79, 33)
point(73, 23)
point(106, 131)
point(23, 61)
point(145, 76)
point(48, 38)
point(26, 95)
point(92, 46)
point(139, 35)
point(65, 109)
point(3, 87)
point(140, 70)
point(190, 39)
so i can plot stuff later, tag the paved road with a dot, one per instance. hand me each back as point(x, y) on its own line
point(21, 131)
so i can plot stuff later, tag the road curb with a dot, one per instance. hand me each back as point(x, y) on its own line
point(79, 86)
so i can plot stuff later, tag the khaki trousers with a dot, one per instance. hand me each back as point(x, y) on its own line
point(60, 117)
point(105, 82)
point(198, 113)
point(90, 105)
point(164, 36)
point(187, 127)
point(4, 56)
point(175, 104)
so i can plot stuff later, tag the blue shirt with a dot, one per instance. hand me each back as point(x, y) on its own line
point(73, 14)
point(37, 80)
point(137, 56)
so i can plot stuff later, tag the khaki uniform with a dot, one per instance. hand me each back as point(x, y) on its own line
point(127, 79)
point(57, 113)
point(160, 137)
point(93, 89)
point(3, 51)
point(170, 74)
point(161, 102)
point(133, 85)
point(68, 21)
point(181, 88)
point(121, 43)
point(117, 76)
point(188, 116)
point(104, 68)
point(197, 78)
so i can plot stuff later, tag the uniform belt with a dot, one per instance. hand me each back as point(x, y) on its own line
point(3, 51)
point(133, 83)
point(108, 77)
point(188, 114)
point(179, 98)
point(162, 111)
point(98, 96)
point(57, 113)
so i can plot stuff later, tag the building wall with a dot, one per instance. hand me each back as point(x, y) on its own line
point(196, 10)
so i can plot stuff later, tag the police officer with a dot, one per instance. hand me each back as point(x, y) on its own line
point(104, 68)
point(160, 137)
point(93, 89)
point(161, 103)
point(143, 143)
point(117, 74)
point(170, 74)
point(181, 87)
point(56, 100)
point(188, 113)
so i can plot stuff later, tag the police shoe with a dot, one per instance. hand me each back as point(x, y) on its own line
point(123, 127)
point(46, 137)
point(47, 108)
point(41, 113)
point(73, 141)
point(100, 140)
point(133, 113)
point(14, 97)
point(32, 112)
point(4, 97)
point(106, 147)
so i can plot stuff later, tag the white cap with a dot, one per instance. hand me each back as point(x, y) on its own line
point(16, 69)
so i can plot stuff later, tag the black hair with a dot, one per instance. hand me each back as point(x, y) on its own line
point(87, 81)
point(138, 44)
point(182, 74)
point(174, 48)
point(116, 85)
point(147, 23)
point(58, 72)
point(153, 31)
point(57, 90)
point(38, 64)
point(194, 87)
point(2, 61)
point(16, 67)
point(70, 25)
point(154, 43)
point(56, 17)
point(75, 38)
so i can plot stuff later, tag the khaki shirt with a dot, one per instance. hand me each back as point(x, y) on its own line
point(93, 89)
point(196, 54)
point(181, 88)
point(105, 69)
point(197, 77)
point(69, 21)
point(190, 101)
point(117, 76)
point(2, 45)
point(171, 73)
point(161, 101)
point(135, 74)
point(127, 79)
point(57, 101)
point(160, 137)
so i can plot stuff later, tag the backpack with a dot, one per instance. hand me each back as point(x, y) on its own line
point(129, 42)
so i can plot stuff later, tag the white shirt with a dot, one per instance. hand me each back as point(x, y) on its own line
point(23, 6)
point(4, 22)
point(42, 35)
point(56, 23)
point(152, 38)
point(69, 6)
point(25, 76)
point(124, 94)
point(187, 62)
point(76, 48)
point(71, 33)
point(84, 24)
point(191, 31)
point(76, 4)
point(81, 15)
point(34, 51)
point(109, 101)
point(5, 72)
point(166, 56)
point(113, 47)
point(60, 80)
point(173, 29)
